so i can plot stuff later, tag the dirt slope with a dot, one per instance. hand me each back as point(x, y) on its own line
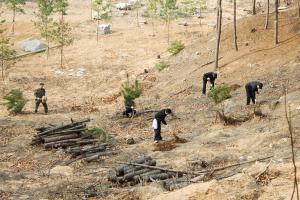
point(25, 170)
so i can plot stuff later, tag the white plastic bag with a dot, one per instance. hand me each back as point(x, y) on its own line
point(154, 124)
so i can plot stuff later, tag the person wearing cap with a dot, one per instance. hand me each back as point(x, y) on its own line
point(251, 90)
point(40, 98)
point(211, 77)
point(158, 119)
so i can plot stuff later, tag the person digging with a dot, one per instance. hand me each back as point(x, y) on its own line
point(40, 98)
point(158, 119)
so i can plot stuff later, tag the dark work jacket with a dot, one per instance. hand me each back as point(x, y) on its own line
point(252, 86)
point(161, 116)
point(211, 75)
point(40, 92)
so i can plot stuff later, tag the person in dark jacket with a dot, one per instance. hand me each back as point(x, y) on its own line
point(129, 109)
point(158, 119)
point(40, 98)
point(251, 90)
point(211, 77)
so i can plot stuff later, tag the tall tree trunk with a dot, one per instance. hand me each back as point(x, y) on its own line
point(234, 22)
point(218, 18)
point(254, 7)
point(97, 28)
point(2, 69)
point(168, 24)
point(91, 10)
point(276, 23)
point(14, 20)
point(267, 14)
point(298, 8)
point(219, 25)
point(61, 56)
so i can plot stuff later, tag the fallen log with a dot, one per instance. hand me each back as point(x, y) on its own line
point(120, 170)
point(134, 169)
point(138, 178)
point(61, 138)
point(67, 143)
point(65, 132)
point(162, 169)
point(161, 176)
point(98, 155)
point(129, 177)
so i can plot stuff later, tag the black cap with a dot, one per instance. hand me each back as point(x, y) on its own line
point(260, 85)
point(42, 83)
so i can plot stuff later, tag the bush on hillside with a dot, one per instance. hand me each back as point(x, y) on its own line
point(162, 65)
point(220, 93)
point(14, 101)
point(175, 47)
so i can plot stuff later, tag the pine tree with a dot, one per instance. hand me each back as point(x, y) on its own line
point(15, 6)
point(44, 21)
point(14, 101)
point(168, 12)
point(61, 35)
point(61, 32)
point(130, 92)
point(102, 8)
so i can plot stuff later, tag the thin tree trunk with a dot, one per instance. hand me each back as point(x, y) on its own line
point(219, 25)
point(137, 17)
point(61, 56)
point(276, 22)
point(97, 28)
point(291, 132)
point(267, 14)
point(218, 18)
point(14, 20)
point(168, 29)
point(234, 22)
point(91, 9)
point(48, 42)
point(2, 69)
point(254, 7)
point(299, 8)
point(153, 34)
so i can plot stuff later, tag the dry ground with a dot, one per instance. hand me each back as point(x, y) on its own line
point(129, 49)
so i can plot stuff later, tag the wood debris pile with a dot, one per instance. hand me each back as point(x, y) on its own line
point(72, 137)
point(144, 169)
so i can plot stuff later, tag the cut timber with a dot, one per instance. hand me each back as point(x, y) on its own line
point(129, 177)
point(67, 143)
point(98, 155)
point(59, 138)
point(134, 169)
point(120, 170)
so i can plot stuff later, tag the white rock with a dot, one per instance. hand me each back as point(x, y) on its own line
point(123, 6)
point(62, 170)
point(33, 45)
point(133, 2)
point(104, 29)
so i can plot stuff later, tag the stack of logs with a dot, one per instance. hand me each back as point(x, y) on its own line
point(73, 138)
point(144, 169)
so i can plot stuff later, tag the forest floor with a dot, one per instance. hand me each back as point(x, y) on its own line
point(25, 170)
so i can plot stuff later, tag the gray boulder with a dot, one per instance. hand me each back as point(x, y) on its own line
point(104, 29)
point(33, 45)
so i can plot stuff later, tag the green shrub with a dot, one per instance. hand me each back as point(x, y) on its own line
point(220, 93)
point(15, 101)
point(131, 92)
point(175, 47)
point(162, 65)
point(96, 132)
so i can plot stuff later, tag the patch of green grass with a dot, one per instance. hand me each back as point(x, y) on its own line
point(220, 93)
point(176, 47)
point(96, 132)
point(162, 65)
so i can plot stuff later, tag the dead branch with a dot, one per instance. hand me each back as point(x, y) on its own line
point(263, 178)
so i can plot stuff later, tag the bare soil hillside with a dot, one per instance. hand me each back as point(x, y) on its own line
point(25, 170)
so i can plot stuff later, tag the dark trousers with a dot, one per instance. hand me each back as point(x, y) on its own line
point(128, 111)
point(250, 95)
point(37, 104)
point(157, 132)
point(204, 85)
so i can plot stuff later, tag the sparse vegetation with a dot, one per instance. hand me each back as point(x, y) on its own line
point(162, 65)
point(15, 6)
point(96, 132)
point(15, 101)
point(131, 92)
point(176, 47)
point(220, 93)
